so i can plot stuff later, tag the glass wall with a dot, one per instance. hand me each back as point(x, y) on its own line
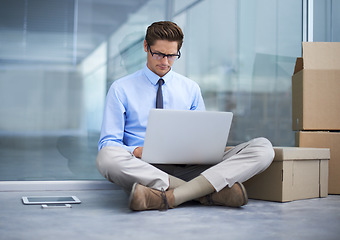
point(326, 21)
point(58, 58)
point(242, 53)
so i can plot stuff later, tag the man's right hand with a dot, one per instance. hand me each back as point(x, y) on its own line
point(138, 152)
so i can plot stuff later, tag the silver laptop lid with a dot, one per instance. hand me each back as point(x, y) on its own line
point(186, 137)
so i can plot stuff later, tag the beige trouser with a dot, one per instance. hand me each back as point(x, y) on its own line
point(238, 165)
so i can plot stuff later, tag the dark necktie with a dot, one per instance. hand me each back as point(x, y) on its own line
point(159, 97)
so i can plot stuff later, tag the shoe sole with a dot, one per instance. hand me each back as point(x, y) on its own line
point(244, 192)
point(132, 194)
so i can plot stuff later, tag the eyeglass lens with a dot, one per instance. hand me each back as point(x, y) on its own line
point(159, 56)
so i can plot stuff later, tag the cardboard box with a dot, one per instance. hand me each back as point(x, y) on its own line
point(315, 87)
point(295, 173)
point(329, 140)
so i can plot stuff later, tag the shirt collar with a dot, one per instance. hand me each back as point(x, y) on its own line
point(153, 78)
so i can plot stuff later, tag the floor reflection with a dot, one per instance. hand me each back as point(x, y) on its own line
point(67, 157)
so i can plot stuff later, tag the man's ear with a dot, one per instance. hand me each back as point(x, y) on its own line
point(145, 46)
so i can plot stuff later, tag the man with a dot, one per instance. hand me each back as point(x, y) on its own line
point(128, 103)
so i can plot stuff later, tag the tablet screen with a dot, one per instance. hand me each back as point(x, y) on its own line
point(50, 199)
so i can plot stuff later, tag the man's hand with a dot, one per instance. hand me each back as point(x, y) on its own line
point(138, 152)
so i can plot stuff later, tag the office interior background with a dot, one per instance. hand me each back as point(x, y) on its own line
point(59, 57)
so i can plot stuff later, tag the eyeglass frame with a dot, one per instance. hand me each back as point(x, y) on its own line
point(162, 55)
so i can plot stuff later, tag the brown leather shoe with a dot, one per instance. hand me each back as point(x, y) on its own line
point(145, 198)
point(236, 196)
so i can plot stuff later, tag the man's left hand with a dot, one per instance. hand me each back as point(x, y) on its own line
point(138, 152)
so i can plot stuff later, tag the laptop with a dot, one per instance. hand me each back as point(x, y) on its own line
point(186, 137)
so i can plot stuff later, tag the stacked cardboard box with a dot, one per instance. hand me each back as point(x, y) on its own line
point(316, 103)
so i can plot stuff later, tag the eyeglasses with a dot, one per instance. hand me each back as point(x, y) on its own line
point(159, 56)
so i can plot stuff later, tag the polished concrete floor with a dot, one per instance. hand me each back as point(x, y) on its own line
point(103, 214)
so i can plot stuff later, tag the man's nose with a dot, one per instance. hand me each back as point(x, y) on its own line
point(165, 60)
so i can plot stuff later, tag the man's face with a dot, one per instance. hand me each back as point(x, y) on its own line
point(162, 66)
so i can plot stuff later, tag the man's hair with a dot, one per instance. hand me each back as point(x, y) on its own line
point(164, 30)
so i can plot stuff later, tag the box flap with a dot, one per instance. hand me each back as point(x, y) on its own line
point(297, 153)
point(298, 65)
point(321, 55)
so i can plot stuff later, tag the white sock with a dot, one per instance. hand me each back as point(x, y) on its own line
point(196, 188)
point(175, 182)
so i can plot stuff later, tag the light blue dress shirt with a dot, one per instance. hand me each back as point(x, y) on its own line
point(130, 99)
